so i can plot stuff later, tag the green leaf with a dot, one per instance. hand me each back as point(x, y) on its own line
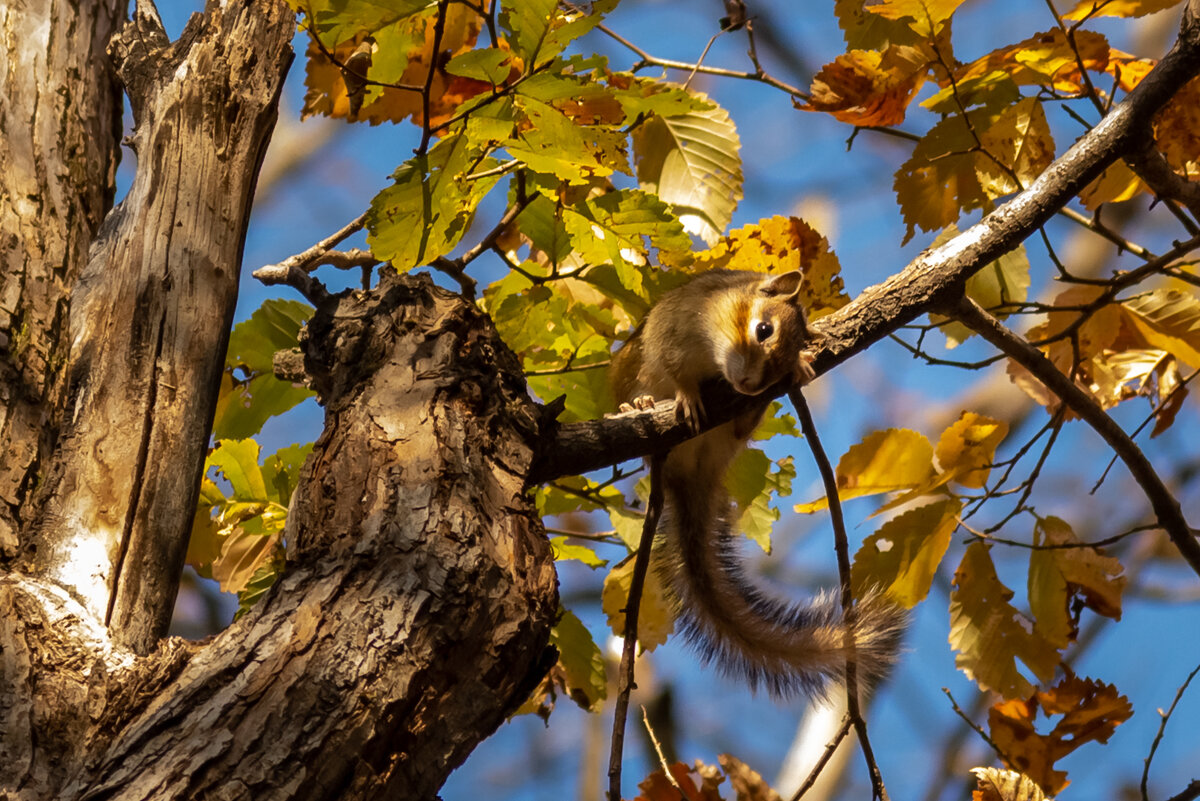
point(263, 579)
point(539, 31)
point(281, 471)
point(245, 404)
point(752, 480)
point(488, 64)
point(339, 20)
point(643, 97)
point(430, 206)
point(274, 326)
point(615, 227)
point(237, 461)
point(550, 142)
point(774, 422)
point(581, 661)
point(691, 161)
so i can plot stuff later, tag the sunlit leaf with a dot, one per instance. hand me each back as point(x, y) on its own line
point(967, 448)
point(1086, 9)
point(884, 461)
point(1090, 710)
point(655, 619)
point(581, 661)
point(867, 87)
point(691, 162)
point(1001, 282)
point(903, 555)
point(781, 244)
point(429, 207)
point(925, 17)
point(1116, 184)
point(564, 549)
point(1016, 149)
point(989, 634)
point(1059, 576)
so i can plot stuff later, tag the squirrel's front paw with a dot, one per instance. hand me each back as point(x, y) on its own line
point(804, 371)
point(689, 410)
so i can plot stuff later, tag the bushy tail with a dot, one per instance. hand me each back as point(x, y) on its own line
point(790, 648)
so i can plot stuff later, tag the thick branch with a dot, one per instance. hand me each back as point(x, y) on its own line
point(150, 317)
point(936, 276)
point(1167, 509)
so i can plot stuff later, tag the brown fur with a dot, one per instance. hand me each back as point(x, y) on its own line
point(702, 330)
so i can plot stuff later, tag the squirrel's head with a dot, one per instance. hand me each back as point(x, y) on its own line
point(766, 330)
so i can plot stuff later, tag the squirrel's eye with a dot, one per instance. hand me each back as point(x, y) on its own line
point(763, 331)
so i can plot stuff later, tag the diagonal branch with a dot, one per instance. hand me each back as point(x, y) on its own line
point(1166, 508)
point(934, 278)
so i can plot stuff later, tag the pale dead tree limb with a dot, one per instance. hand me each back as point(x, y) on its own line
point(842, 547)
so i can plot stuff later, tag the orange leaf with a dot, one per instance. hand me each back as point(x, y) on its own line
point(1091, 710)
point(1045, 59)
point(781, 244)
point(869, 88)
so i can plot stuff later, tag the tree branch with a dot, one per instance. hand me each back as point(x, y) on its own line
point(1165, 506)
point(936, 277)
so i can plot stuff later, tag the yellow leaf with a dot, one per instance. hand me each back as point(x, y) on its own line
point(1177, 130)
point(1168, 319)
point(655, 617)
point(1087, 9)
point(1016, 149)
point(966, 449)
point(994, 784)
point(1116, 184)
point(1044, 59)
point(1003, 281)
point(903, 555)
point(1085, 572)
point(868, 88)
point(928, 17)
point(242, 554)
point(990, 634)
point(781, 244)
point(939, 182)
point(885, 461)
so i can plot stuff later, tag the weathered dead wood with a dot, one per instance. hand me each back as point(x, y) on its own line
point(150, 316)
point(60, 118)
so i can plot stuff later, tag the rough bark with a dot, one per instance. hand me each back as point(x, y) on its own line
point(150, 316)
point(60, 114)
point(412, 619)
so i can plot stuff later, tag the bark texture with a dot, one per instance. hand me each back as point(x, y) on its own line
point(412, 619)
point(150, 316)
point(60, 114)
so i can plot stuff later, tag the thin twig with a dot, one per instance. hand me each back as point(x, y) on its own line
point(439, 28)
point(842, 546)
point(662, 760)
point(819, 767)
point(1162, 727)
point(978, 729)
point(625, 683)
point(1165, 506)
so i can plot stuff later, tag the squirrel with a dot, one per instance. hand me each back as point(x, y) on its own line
point(751, 330)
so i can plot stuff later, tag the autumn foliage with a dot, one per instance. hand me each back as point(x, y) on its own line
point(618, 187)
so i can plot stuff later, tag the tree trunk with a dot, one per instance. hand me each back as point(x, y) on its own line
point(420, 590)
point(60, 114)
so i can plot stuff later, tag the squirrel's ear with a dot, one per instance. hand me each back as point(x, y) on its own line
point(782, 284)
